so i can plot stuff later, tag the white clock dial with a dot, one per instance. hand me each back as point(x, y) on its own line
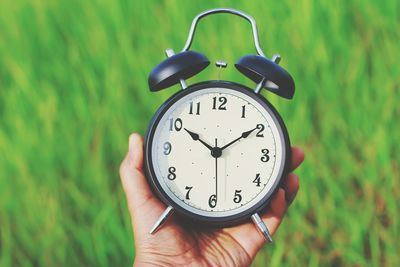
point(217, 185)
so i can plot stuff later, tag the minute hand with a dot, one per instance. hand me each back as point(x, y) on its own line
point(244, 135)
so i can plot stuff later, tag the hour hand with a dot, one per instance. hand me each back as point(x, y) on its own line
point(196, 137)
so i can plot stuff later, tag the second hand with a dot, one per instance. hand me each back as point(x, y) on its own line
point(216, 174)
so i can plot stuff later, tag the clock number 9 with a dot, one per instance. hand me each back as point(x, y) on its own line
point(177, 125)
point(222, 100)
point(265, 157)
point(171, 173)
point(212, 201)
point(237, 198)
point(167, 148)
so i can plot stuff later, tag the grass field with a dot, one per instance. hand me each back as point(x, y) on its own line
point(73, 85)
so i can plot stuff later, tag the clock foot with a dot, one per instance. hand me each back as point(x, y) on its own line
point(261, 226)
point(161, 220)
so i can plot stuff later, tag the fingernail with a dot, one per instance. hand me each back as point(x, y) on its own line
point(132, 143)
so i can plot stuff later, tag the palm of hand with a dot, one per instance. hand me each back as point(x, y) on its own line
point(177, 244)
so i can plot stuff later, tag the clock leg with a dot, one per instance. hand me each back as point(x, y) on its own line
point(161, 220)
point(261, 226)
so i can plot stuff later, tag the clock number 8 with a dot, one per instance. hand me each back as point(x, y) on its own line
point(212, 201)
point(171, 173)
point(177, 125)
point(265, 157)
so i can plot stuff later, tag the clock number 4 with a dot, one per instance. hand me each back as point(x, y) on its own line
point(212, 201)
point(171, 173)
point(257, 180)
point(265, 156)
point(238, 197)
point(197, 108)
point(222, 103)
point(175, 124)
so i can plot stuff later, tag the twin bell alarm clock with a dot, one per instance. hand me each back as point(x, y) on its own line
point(217, 151)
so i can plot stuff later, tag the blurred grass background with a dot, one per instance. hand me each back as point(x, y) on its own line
point(73, 86)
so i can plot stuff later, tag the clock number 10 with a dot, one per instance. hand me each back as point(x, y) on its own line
point(175, 124)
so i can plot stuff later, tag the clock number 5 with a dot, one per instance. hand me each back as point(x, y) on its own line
point(265, 157)
point(237, 198)
point(212, 201)
point(171, 173)
point(222, 100)
point(177, 124)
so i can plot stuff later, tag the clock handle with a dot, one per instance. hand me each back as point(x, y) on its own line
point(162, 219)
point(224, 10)
point(261, 226)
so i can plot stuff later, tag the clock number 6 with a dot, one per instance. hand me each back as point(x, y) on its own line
point(212, 201)
point(265, 157)
point(177, 125)
point(237, 198)
point(171, 173)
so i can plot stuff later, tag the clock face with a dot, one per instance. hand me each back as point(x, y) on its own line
point(217, 152)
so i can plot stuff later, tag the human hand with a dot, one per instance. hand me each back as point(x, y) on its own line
point(176, 244)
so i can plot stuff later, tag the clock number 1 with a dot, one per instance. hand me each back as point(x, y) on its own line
point(177, 124)
point(243, 111)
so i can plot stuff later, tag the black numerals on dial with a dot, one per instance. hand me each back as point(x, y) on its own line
point(188, 188)
point(260, 128)
point(175, 124)
point(194, 109)
point(265, 155)
point(167, 148)
point(237, 197)
point(243, 112)
point(221, 101)
point(257, 180)
point(171, 173)
point(212, 201)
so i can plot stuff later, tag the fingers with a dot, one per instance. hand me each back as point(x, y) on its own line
point(297, 157)
point(291, 187)
point(143, 206)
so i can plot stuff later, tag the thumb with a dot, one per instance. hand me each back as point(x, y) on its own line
point(143, 206)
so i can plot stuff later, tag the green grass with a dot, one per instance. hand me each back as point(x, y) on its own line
point(73, 85)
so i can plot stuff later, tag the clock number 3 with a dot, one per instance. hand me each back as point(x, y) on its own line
point(171, 173)
point(265, 157)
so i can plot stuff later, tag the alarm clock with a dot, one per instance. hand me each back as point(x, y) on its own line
point(217, 151)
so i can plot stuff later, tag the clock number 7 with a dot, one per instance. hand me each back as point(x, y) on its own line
point(188, 188)
point(177, 124)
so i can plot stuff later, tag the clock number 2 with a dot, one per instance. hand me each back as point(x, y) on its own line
point(177, 124)
point(265, 157)
point(260, 128)
point(238, 197)
point(222, 100)
point(171, 173)
point(212, 201)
